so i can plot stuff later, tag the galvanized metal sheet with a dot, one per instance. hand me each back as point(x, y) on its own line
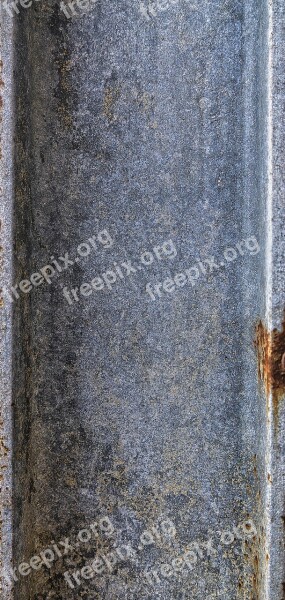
point(142, 300)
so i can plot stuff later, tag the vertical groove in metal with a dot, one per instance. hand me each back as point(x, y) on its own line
point(268, 292)
point(276, 295)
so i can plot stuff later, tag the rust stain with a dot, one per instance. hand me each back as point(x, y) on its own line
point(3, 448)
point(257, 569)
point(250, 583)
point(271, 363)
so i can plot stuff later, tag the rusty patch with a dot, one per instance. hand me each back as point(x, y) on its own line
point(271, 363)
point(3, 448)
point(251, 582)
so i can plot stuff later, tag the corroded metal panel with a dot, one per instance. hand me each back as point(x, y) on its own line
point(142, 300)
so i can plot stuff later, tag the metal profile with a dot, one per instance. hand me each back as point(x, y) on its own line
point(142, 305)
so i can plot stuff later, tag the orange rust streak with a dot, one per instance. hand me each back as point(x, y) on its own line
point(271, 363)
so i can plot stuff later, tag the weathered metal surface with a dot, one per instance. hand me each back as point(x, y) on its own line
point(6, 252)
point(146, 182)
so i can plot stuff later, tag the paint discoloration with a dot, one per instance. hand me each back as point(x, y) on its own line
point(271, 363)
point(251, 582)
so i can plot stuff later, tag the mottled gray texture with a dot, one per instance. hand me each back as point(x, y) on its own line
point(153, 129)
point(6, 254)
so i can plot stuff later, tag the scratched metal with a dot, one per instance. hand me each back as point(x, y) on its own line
point(157, 122)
